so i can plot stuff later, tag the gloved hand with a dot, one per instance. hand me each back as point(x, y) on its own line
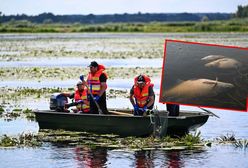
point(81, 77)
point(96, 98)
point(136, 107)
point(144, 108)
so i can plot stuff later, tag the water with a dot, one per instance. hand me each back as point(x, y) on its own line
point(52, 155)
point(81, 62)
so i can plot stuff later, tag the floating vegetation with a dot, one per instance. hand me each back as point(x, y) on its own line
point(230, 139)
point(45, 93)
point(1, 109)
point(17, 110)
point(108, 47)
point(29, 114)
point(7, 141)
point(65, 73)
point(226, 138)
point(9, 93)
point(114, 141)
point(23, 140)
point(117, 93)
point(243, 144)
point(27, 111)
point(13, 114)
point(191, 139)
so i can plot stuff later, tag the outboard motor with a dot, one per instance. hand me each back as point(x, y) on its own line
point(58, 101)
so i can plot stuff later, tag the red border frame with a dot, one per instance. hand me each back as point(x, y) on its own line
point(199, 43)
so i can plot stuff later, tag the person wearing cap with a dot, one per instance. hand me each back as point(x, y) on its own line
point(80, 99)
point(142, 95)
point(97, 82)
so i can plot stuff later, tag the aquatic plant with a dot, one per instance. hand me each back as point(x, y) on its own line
point(1, 109)
point(226, 138)
point(13, 114)
point(194, 138)
point(117, 93)
point(243, 144)
point(30, 116)
point(17, 110)
point(25, 111)
point(28, 139)
point(114, 141)
point(7, 141)
point(45, 73)
point(24, 139)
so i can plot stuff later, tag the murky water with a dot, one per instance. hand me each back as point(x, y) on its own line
point(77, 62)
point(51, 155)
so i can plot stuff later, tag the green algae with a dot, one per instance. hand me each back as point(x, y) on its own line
point(22, 140)
point(114, 141)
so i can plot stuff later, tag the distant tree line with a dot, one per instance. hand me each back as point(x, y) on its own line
point(115, 18)
point(242, 11)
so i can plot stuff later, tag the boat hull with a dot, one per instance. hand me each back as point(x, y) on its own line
point(117, 124)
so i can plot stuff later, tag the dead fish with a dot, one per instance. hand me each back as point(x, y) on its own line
point(198, 88)
point(224, 63)
point(212, 57)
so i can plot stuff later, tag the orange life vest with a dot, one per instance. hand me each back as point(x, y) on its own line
point(85, 107)
point(94, 80)
point(142, 96)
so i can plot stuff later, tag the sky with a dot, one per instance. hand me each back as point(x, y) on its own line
point(34, 7)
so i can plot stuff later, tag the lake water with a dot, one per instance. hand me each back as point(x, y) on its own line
point(76, 62)
point(52, 155)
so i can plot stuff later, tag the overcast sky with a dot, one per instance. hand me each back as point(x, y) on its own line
point(34, 7)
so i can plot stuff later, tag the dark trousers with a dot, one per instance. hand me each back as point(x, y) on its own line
point(173, 109)
point(102, 104)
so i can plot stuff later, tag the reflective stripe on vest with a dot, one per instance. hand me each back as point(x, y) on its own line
point(94, 81)
point(82, 96)
point(141, 96)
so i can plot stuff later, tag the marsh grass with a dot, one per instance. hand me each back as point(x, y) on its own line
point(243, 144)
point(234, 25)
point(231, 139)
point(226, 138)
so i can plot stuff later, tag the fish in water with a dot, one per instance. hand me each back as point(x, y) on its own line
point(224, 63)
point(212, 57)
point(197, 89)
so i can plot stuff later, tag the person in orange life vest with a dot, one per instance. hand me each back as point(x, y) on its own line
point(80, 98)
point(142, 95)
point(97, 82)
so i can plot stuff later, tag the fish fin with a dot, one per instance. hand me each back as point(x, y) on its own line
point(216, 81)
point(212, 82)
point(209, 82)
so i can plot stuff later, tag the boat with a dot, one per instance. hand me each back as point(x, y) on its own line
point(121, 122)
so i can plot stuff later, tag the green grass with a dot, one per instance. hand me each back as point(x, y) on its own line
point(233, 25)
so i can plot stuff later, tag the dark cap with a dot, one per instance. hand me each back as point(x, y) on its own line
point(141, 79)
point(93, 64)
